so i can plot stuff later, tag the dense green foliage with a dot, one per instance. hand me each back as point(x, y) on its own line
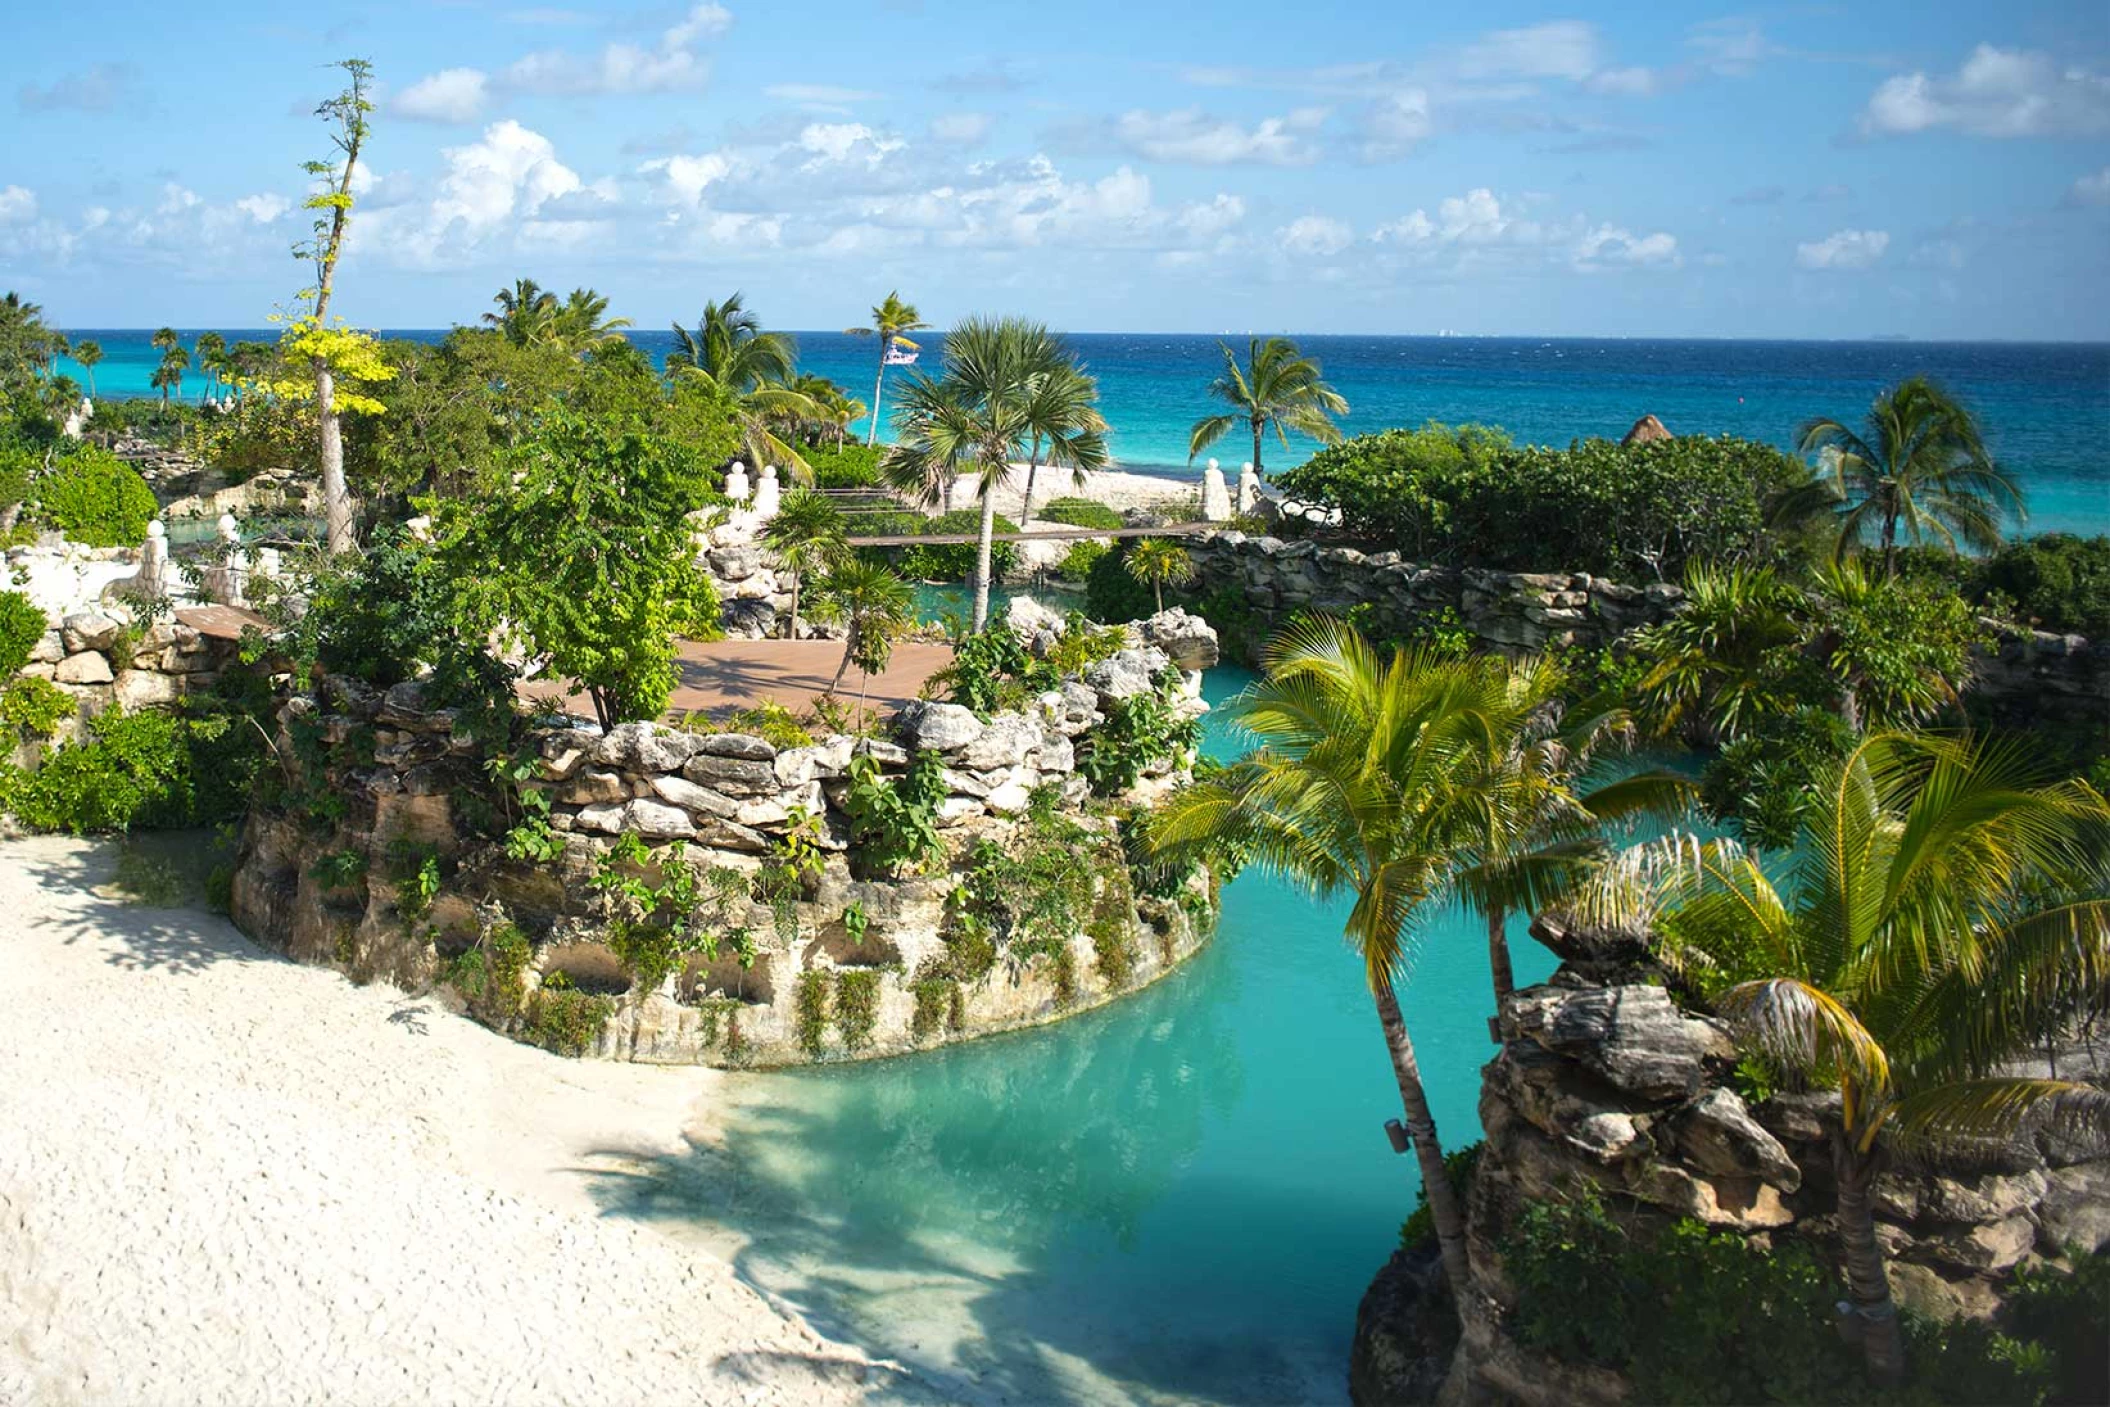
point(2057, 582)
point(147, 769)
point(894, 823)
point(1692, 1315)
point(1466, 496)
point(954, 561)
point(95, 499)
point(1111, 591)
point(1079, 513)
point(22, 625)
point(33, 707)
point(849, 467)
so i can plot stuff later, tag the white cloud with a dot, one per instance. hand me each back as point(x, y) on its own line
point(839, 141)
point(263, 208)
point(1395, 125)
point(1315, 234)
point(686, 178)
point(451, 95)
point(1559, 49)
point(1476, 217)
point(1191, 135)
point(1608, 246)
point(1213, 219)
point(18, 205)
point(671, 66)
point(2090, 190)
point(963, 129)
point(1843, 249)
point(1622, 82)
point(508, 185)
point(1996, 93)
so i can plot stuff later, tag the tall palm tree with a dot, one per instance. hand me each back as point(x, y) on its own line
point(807, 535)
point(582, 323)
point(877, 607)
point(211, 349)
point(1278, 386)
point(169, 375)
point(1157, 563)
point(730, 350)
point(1373, 776)
point(979, 413)
point(87, 354)
point(527, 313)
point(1917, 469)
point(165, 340)
point(892, 320)
point(1941, 917)
point(1064, 399)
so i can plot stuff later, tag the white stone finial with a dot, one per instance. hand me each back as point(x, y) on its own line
point(768, 493)
point(736, 482)
point(157, 529)
point(1214, 465)
point(230, 530)
point(1216, 500)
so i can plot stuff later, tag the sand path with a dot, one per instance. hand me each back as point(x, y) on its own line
point(227, 1178)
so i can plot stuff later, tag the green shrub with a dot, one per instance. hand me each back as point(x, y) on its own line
point(856, 1005)
point(2059, 581)
point(1458, 1165)
point(811, 1008)
point(894, 824)
point(22, 625)
point(564, 1020)
point(2069, 1313)
point(1112, 595)
point(492, 975)
point(851, 467)
point(1080, 513)
point(1078, 561)
point(132, 769)
point(96, 499)
point(1139, 730)
point(954, 561)
point(34, 707)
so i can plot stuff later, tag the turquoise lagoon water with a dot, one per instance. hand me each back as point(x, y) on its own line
point(2045, 406)
point(1179, 1197)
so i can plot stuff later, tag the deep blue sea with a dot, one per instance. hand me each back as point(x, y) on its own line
point(2046, 407)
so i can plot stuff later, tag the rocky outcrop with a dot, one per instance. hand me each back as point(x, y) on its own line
point(409, 869)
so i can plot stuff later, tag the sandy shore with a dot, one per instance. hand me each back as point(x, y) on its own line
point(1109, 486)
point(227, 1178)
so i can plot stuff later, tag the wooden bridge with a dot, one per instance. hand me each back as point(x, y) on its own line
point(1061, 534)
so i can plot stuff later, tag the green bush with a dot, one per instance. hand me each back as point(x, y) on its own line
point(22, 625)
point(894, 823)
point(856, 1005)
point(954, 561)
point(1080, 513)
point(2059, 581)
point(564, 1020)
point(96, 499)
point(2069, 1313)
point(492, 976)
point(851, 467)
point(811, 1007)
point(34, 706)
point(132, 769)
point(1466, 496)
point(1458, 1165)
point(1693, 1315)
point(1112, 595)
point(1078, 561)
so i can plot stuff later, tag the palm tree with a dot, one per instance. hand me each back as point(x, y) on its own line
point(1278, 386)
point(754, 369)
point(1552, 839)
point(980, 413)
point(1918, 468)
point(169, 375)
point(165, 340)
point(526, 315)
point(892, 319)
point(1372, 778)
point(1064, 400)
point(1940, 919)
point(1717, 663)
point(212, 351)
point(1156, 563)
point(87, 354)
point(876, 607)
point(583, 322)
point(806, 534)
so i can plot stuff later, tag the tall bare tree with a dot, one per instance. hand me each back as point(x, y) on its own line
point(346, 116)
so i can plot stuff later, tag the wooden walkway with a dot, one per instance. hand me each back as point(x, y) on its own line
point(721, 675)
point(1064, 534)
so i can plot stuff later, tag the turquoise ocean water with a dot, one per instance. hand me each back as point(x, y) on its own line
point(2046, 407)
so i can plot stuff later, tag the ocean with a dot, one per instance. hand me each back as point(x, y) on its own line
point(2045, 407)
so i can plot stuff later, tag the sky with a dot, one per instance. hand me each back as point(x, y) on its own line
point(1808, 171)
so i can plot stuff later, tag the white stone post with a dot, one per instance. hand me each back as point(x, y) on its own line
point(1216, 500)
point(766, 494)
point(236, 570)
point(736, 483)
point(152, 581)
point(1248, 490)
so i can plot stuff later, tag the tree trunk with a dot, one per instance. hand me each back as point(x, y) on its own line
point(1498, 958)
point(1444, 1208)
point(793, 632)
point(1876, 1316)
point(849, 648)
point(1259, 426)
point(981, 557)
point(1025, 509)
point(336, 502)
point(878, 383)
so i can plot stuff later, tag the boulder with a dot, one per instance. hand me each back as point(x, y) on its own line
point(1003, 743)
point(143, 688)
point(2075, 1209)
point(595, 787)
point(658, 821)
point(924, 724)
point(699, 801)
point(1034, 624)
point(605, 819)
point(87, 667)
point(89, 630)
point(745, 746)
point(1055, 754)
point(1718, 1133)
point(1633, 1037)
point(749, 619)
point(1127, 674)
point(49, 649)
point(734, 776)
point(1187, 640)
point(644, 747)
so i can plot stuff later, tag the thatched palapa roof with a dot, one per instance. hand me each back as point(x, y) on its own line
point(1645, 430)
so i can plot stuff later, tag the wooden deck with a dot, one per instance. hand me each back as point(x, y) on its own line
point(723, 675)
point(221, 622)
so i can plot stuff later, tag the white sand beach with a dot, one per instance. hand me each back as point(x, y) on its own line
point(228, 1179)
point(1112, 487)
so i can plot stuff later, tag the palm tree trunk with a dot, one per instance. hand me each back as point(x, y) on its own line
point(1025, 510)
point(1444, 1207)
point(336, 502)
point(1498, 958)
point(982, 551)
point(849, 647)
point(793, 632)
point(878, 383)
point(1259, 426)
point(1876, 1316)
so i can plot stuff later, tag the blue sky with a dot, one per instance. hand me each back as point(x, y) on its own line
point(1809, 171)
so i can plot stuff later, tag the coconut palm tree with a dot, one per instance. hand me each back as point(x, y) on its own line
point(1157, 563)
point(527, 313)
point(892, 320)
point(165, 340)
point(807, 535)
point(1373, 777)
point(1278, 386)
point(583, 323)
point(875, 605)
point(87, 354)
point(1917, 469)
point(168, 376)
point(730, 350)
point(1941, 917)
point(1064, 400)
point(212, 350)
point(979, 413)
